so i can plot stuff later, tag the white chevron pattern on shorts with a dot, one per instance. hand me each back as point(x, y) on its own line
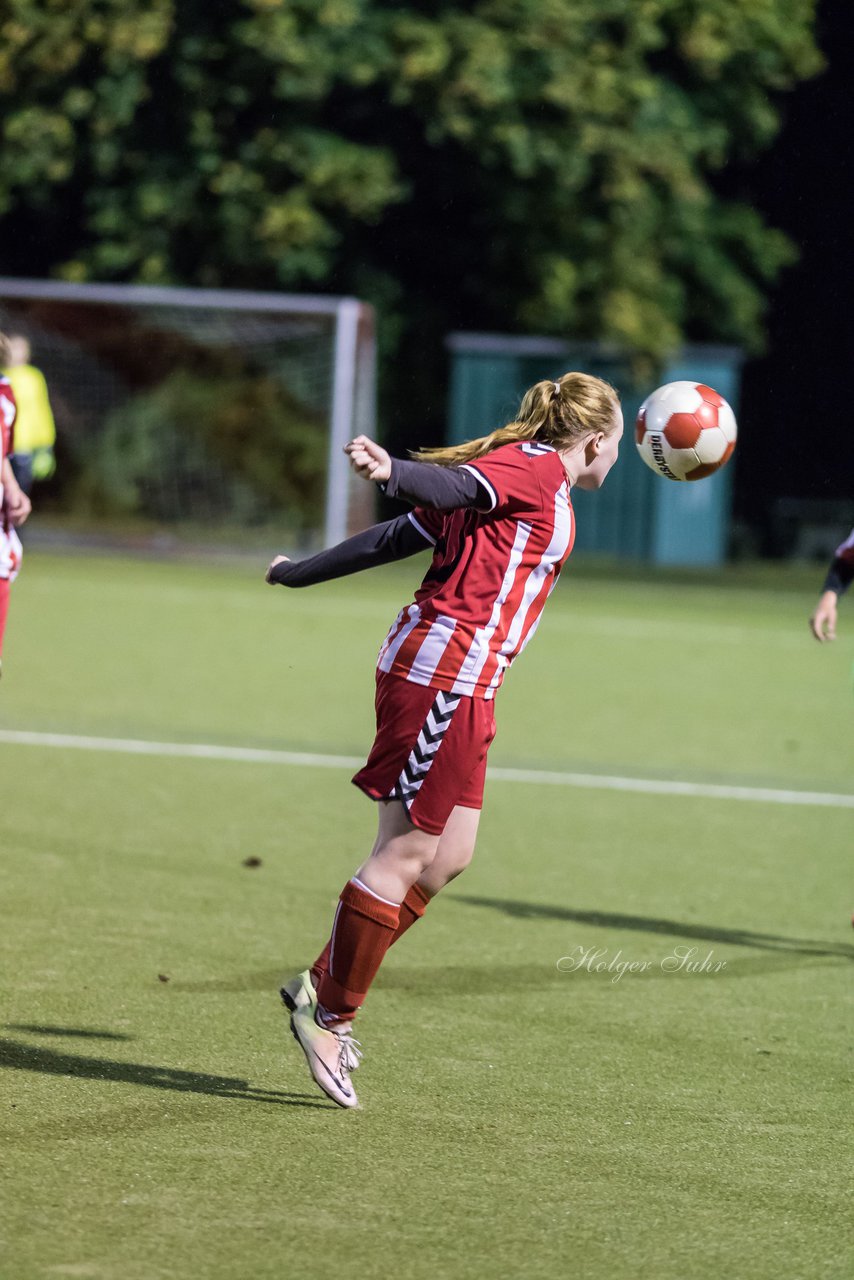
point(429, 740)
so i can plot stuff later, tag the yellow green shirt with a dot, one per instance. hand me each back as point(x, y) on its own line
point(34, 425)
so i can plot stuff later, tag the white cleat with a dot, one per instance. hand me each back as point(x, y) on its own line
point(328, 1054)
point(299, 993)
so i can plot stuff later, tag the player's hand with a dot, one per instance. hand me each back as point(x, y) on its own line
point(44, 463)
point(18, 506)
point(823, 621)
point(369, 459)
point(268, 577)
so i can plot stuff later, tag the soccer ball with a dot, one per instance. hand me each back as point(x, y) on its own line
point(685, 431)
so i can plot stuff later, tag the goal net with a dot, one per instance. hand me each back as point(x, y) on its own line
point(212, 414)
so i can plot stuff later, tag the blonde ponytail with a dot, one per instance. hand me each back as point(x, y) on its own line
point(558, 413)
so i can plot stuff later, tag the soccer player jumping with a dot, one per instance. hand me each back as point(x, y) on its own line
point(498, 515)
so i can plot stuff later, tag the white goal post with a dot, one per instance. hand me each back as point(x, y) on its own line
point(336, 336)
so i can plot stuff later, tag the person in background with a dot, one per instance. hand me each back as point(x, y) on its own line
point(35, 432)
point(14, 503)
point(839, 577)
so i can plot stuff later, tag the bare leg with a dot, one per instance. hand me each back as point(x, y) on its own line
point(400, 854)
point(453, 853)
point(455, 850)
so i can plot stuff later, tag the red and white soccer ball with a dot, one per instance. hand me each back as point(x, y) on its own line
point(685, 431)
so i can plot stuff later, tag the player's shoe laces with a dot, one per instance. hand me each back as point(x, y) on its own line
point(299, 993)
point(328, 1053)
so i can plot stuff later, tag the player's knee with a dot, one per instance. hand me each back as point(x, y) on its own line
point(415, 851)
point(452, 860)
point(460, 861)
point(449, 875)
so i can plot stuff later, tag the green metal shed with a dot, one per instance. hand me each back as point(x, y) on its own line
point(637, 514)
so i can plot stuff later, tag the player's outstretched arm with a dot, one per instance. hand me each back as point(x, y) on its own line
point(381, 544)
point(823, 621)
point(839, 578)
point(424, 484)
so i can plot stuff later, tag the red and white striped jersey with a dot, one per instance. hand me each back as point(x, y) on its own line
point(491, 574)
point(10, 546)
point(8, 413)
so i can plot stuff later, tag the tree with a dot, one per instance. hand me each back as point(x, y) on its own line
point(547, 165)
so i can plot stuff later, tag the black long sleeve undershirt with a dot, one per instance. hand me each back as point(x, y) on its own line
point(423, 484)
point(382, 543)
point(426, 484)
point(840, 575)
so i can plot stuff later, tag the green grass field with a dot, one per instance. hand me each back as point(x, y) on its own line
point(516, 1121)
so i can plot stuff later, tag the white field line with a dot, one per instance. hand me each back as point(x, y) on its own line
point(194, 750)
point(594, 781)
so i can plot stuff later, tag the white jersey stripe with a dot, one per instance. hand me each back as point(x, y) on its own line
point(433, 646)
point(392, 631)
point(551, 556)
point(541, 575)
point(9, 409)
point(420, 527)
point(479, 650)
point(389, 652)
point(481, 479)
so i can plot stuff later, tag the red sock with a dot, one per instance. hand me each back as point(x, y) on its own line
point(412, 908)
point(363, 929)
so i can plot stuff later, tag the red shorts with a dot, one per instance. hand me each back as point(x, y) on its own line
point(429, 752)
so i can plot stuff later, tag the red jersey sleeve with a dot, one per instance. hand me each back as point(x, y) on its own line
point(508, 475)
point(428, 521)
